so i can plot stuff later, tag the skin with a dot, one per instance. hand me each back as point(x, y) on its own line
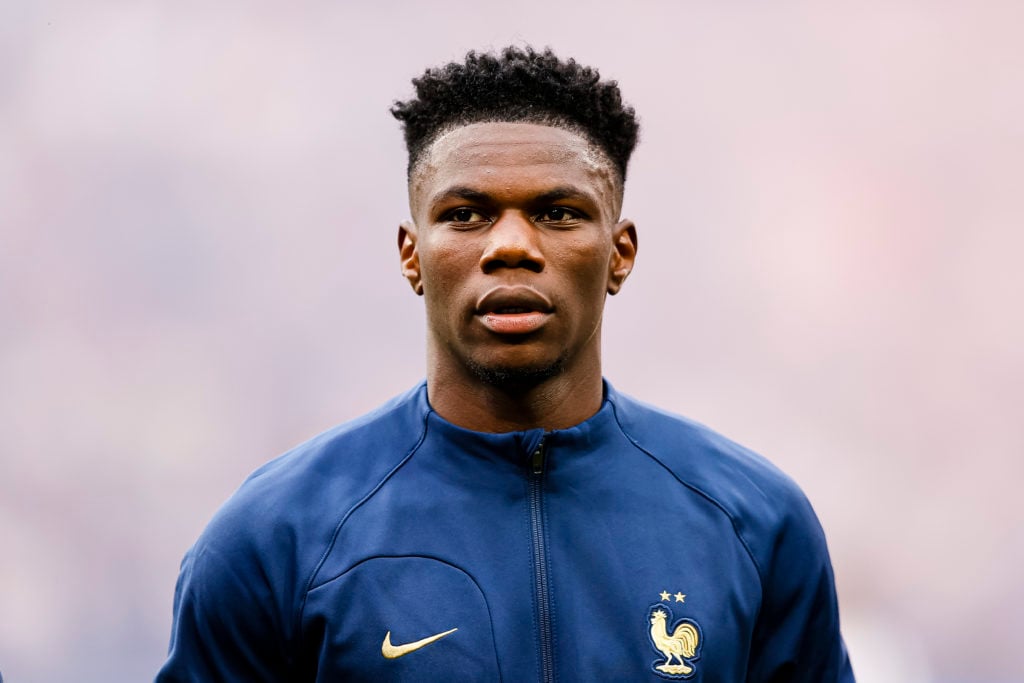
point(515, 242)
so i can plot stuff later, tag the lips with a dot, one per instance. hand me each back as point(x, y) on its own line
point(513, 310)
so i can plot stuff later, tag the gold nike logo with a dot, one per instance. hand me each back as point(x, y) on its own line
point(395, 651)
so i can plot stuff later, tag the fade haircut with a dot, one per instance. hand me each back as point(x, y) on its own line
point(519, 85)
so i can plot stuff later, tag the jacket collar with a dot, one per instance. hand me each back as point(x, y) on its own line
point(519, 445)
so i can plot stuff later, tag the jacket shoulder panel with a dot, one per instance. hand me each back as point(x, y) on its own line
point(761, 501)
point(282, 520)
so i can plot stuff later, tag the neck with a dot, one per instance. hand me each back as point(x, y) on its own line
point(562, 401)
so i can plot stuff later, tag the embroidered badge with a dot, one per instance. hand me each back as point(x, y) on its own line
point(679, 644)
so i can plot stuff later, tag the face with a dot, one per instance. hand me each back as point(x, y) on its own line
point(515, 243)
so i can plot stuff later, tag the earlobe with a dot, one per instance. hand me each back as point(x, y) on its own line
point(623, 256)
point(409, 256)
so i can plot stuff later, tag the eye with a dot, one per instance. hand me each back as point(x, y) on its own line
point(560, 214)
point(465, 215)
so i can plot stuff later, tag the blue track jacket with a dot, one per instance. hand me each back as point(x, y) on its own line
point(636, 546)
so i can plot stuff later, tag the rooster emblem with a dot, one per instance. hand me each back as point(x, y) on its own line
point(682, 644)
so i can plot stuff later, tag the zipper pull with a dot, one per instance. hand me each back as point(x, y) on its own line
point(537, 458)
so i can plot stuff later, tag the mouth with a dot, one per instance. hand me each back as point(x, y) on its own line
point(513, 310)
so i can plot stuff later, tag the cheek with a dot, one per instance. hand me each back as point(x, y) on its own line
point(446, 268)
point(589, 267)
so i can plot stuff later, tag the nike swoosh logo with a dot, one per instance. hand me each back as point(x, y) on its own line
point(395, 651)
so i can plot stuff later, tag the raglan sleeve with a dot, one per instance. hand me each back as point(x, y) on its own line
point(225, 626)
point(797, 637)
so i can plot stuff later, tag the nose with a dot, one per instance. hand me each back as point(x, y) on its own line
point(512, 242)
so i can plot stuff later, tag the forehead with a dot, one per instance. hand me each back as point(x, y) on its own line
point(481, 153)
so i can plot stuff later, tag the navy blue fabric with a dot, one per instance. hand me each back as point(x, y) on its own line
point(403, 523)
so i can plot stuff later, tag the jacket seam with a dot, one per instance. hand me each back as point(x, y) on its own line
point(696, 489)
point(337, 530)
point(462, 570)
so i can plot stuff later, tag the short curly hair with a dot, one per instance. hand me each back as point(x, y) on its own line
point(519, 85)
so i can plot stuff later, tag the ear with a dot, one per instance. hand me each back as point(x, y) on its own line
point(624, 256)
point(410, 258)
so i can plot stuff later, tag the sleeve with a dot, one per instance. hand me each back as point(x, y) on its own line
point(224, 627)
point(797, 638)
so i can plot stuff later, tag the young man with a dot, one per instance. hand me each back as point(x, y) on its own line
point(514, 518)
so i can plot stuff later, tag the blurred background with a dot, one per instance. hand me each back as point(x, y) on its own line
point(198, 270)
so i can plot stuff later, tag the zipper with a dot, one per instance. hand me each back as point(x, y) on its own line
point(540, 562)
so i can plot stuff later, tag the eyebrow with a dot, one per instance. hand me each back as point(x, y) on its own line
point(460, 192)
point(469, 194)
point(563, 192)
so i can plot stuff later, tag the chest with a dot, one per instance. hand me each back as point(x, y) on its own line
point(533, 578)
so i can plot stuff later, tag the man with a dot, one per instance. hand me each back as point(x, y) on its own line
point(514, 518)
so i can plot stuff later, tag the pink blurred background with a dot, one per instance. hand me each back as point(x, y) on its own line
point(198, 204)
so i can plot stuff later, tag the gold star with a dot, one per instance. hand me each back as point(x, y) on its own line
point(665, 595)
point(680, 597)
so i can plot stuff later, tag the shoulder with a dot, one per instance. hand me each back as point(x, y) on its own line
point(761, 501)
point(242, 585)
point(288, 508)
point(345, 456)
point(797, 632)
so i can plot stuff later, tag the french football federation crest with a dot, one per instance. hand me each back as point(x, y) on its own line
point(680, 646)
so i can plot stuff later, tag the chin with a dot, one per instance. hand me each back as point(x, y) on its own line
point(521, 376)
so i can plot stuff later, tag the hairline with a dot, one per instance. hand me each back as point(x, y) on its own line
point(552, 122)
